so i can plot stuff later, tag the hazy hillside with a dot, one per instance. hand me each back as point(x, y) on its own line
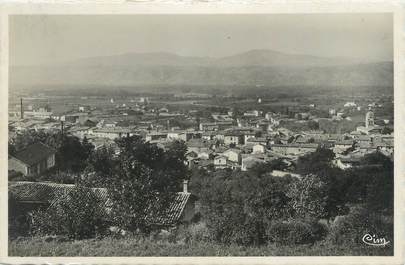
point(257, 67)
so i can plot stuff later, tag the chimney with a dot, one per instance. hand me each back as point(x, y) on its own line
point(185, 186)
point(21, 109)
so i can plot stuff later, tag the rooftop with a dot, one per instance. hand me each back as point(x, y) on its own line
point(34, 153)
point(46, 193)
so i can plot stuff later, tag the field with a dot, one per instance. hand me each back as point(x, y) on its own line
point(147, 247)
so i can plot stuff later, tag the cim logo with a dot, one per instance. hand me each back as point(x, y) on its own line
point(373, 240)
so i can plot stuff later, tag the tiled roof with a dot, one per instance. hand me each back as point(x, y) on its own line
point(34, 153)
point(173, 211)
point(47, 193)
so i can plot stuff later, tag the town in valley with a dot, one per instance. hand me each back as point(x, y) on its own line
point(201, 135)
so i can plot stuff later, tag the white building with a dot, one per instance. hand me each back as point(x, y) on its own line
point(259, 149)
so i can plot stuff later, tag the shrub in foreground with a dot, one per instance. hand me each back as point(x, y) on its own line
point(359, 222)
point(295, 232)
point(78, 214)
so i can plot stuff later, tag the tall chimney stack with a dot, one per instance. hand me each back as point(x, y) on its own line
point(185, 186)
point(21, 109)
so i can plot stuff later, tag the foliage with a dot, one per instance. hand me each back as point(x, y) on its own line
point(236, 206)
point(136, 247)
point(72, 154)
point(263, 168)
point(100, 167)
point(315, 162)
point(329, 182)
point(78, 214)
point(372, 183)
point(18, 223)
point(387, 130)
point(359, 222)
point(196, 232)
point(308, 197)
point(295, 232)
point(144, 175)
point(29, 137)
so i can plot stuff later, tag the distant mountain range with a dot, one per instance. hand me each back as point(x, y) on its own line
point(255, 67)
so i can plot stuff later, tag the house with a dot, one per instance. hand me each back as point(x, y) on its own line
point(196, 145)
point(79, 131)
point(208, 126)
point(220, 161)
point(233, 155)
point(41, 113)
point(294, 149)
point(249, 161)
point(79, 117)
point(259, 149)
point(155, 136)
point(30, 196)
point(344, 144)
point(33, 160)
point(251, 113)
point(205, 153)
point(215, 126)
point(112, 132)
point(369, 130)
point(233, 137)
point(350, 104)
point(84, 108)
point(256, 140)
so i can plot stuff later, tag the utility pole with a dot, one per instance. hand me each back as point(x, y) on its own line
point(61, 142)
point(21, 109)
point(61, 128)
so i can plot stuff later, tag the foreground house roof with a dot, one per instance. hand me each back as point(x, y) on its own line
point(34, 153)
point(47, 193)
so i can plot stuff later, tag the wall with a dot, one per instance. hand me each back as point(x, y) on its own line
point(14, 164)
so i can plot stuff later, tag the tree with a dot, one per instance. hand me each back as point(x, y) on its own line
point(100, 167)
point(11, 148)
point(144, 182)
point(372, 183)
point(72, 154)
point(78, 214)
point(308, 197)
point(387, 130)
point(29, 137)
point(261, 169)
point(319, 163)
point(238, 205)
point(315, 162)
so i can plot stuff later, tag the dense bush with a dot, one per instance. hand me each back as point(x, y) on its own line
point(192, 233)
point(78, 214)
point(295, 232)
point(359, 222)
point(237, 205)
point(18, 221)
point(145, 179)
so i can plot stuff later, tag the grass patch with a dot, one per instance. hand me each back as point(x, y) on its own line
point(146, 247)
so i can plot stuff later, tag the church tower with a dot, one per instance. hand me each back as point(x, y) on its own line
point(369, 119)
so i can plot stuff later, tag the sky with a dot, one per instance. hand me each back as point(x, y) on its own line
point(48, 39)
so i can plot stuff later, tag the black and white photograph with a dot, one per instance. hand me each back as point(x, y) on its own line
point(201, 135)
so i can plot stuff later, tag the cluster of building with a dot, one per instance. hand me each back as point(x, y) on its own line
point(223, 141)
